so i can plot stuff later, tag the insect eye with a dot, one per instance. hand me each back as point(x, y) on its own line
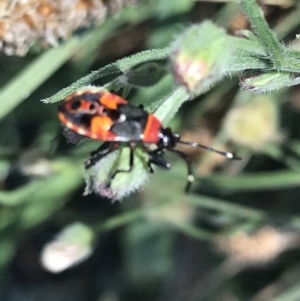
point(92, 107)
point(75, 105)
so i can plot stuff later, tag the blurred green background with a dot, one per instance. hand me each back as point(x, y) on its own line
point(234, 237)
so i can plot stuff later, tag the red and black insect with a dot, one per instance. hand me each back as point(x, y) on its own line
point(99, 114)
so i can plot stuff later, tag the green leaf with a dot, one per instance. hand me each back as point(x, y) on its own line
point(264, 34)
point(117, 68)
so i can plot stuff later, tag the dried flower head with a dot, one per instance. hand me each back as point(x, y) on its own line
point(25, 22)
point(257, 248)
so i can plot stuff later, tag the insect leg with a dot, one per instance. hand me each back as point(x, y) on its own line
point(156, 158)
point(104, 149)
point(131, 163)
point(186, 158)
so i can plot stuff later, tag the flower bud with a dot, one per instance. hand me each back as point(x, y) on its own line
point(259, 82)
point(98, 178)
point(71, 246)
point(200, 57)
point(254, 124)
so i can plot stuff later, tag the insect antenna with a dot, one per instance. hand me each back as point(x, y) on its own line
point(222, 153)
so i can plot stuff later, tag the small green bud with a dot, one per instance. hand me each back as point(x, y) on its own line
point(259, 82)
point(143, 75)
point(71, 246)
point(124, 183)
point(200, 57)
